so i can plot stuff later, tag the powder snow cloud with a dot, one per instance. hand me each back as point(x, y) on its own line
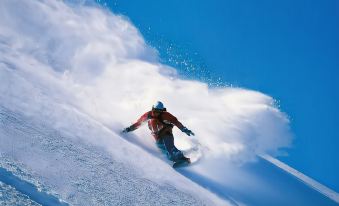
point(54, 55)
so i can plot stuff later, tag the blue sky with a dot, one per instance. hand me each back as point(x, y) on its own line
point(286, 49)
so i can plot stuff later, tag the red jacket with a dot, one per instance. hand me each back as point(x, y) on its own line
point(159, 125)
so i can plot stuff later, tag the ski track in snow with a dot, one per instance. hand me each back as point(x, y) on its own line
point(331, 194)
point(9, 196)
point(29, 189)
point(89, 176)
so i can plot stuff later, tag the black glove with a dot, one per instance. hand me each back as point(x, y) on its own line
point(127, 129)
point(187, 131)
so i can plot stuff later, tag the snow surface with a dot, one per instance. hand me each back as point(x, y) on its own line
point(73, 75)
point(83, 174)
point(9, 196)
point(307, 180)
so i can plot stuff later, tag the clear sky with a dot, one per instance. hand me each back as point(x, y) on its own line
point(286, 49)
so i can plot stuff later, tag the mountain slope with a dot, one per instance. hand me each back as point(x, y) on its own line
point(83, 174)
point(73, 75)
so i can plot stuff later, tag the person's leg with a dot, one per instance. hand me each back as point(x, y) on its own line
point(172, 152)
point(160, 144)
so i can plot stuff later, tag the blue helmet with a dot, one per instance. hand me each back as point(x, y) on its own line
point(159, 106)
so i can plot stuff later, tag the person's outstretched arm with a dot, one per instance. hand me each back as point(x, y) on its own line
point(175, 121)
point(137, 124)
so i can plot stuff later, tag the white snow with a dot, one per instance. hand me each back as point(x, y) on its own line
point(9, 196)
point(86, 59)
point(72, 76)
point(81, 173)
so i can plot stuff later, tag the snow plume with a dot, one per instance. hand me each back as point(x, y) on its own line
point(98, 63)
point(57, 60)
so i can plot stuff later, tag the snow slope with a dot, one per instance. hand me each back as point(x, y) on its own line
point(73, 75)
point(82, 174)
point(10, 196)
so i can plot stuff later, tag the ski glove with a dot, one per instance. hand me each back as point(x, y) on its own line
point(187, 131)
point(127, 129)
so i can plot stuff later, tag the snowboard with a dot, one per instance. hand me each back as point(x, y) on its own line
point(181, 163)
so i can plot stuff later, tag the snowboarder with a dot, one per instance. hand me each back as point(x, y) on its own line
point(161, 123)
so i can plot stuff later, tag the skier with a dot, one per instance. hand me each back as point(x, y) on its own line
point(161, 123)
